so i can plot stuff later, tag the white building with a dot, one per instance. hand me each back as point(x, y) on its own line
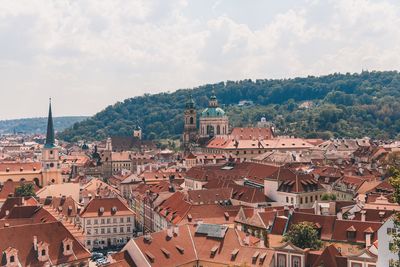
point(385, 241)
point(107, 222)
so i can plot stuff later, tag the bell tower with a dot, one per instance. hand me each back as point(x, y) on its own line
point(190, 127)
point(51, 167)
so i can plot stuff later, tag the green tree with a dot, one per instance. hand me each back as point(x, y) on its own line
point(303, 235)
point(25, 190)
point(328, 196)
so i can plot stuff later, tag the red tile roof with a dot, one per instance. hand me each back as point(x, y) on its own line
point(52, 233)
point(93, 208)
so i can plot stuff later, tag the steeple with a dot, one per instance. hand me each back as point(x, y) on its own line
point(190, 102)
point(213, 103)
point(50, 142)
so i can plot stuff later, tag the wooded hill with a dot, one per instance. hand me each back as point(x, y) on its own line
point(336, 105)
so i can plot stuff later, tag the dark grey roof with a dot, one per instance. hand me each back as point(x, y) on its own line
point(212, 230)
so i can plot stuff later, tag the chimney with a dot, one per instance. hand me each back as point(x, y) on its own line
point(363, 215)
point(170, 232)
point(286, 210)
point(35, 243)
point(317, 209)
point(368, 240)
point(176, 230)
point(246, 240)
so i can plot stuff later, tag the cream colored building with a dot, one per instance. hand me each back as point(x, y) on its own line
point(107, 222)
point(213, 120)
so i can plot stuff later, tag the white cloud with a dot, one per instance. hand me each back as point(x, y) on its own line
point(88, 54)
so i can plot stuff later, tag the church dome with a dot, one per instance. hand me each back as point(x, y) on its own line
point(213, 112)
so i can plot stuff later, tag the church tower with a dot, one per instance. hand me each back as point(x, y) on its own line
point(51, 167)
point(190, 128)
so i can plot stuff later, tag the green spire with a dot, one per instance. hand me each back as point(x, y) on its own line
point(50, 142)
point(190, 103)
point(213, 96)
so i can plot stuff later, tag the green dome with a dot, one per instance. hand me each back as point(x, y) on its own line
point(212, 112)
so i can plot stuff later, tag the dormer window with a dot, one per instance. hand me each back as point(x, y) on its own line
point(11, 257)
point(67, 246)
point(43, 251)
point(351, 232)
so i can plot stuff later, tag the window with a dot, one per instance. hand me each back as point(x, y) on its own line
point(102, 221)
point(89, 232)
point(43, 252)
point(89, 222)
point(121, 230)
point(121, 220)
point(68, 247)
point(96, 231)
point(88, 242)
point(306, 199)
point(108, 220)
point(96, 221)
point(281, 260)
point(301, 200)
point(296, 262)
point(102, 230)
point(115, 230)
point(128, 229)
point(128, 219)
point(311, 198)
point(287, 199)
point(291, 200)
point(12, 259)
point(108, 230)
point(115, 220)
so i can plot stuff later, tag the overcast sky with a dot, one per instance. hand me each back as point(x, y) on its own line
point(87, 54)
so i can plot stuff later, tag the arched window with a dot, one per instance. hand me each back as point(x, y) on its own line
point(218, 130)
point(191, 120)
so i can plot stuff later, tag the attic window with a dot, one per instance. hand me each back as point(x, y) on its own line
point(114, 209)
point(180, 249)
point(226, 214)
point(234, 253)
point(262, 257)
point(166, 252)
point(255, 255)
point(150, 256)
point(214, 250)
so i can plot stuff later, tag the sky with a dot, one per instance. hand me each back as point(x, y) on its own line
point(88, 54)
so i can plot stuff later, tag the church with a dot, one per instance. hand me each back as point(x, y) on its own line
point(46, 172)
point(213, 122)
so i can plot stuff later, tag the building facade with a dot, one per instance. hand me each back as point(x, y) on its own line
point(213, 120)
point(107, 222)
